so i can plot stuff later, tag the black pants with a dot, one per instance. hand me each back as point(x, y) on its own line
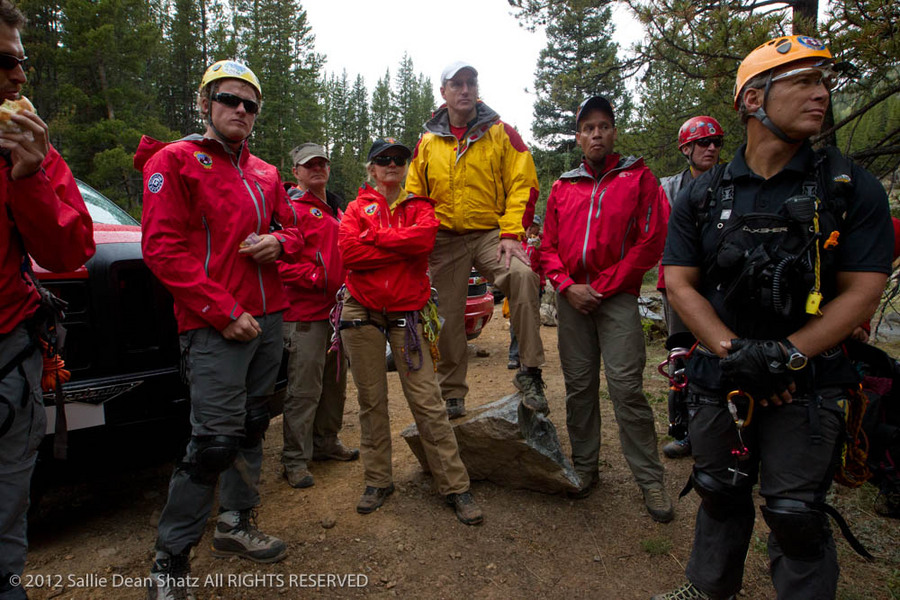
point(794, 447)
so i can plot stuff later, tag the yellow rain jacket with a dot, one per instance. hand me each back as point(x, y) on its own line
point(484, 182)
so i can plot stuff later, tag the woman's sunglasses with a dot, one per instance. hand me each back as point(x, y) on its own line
point(707, 142)
point(8, 62)
point(383, 161)
point(232, 101)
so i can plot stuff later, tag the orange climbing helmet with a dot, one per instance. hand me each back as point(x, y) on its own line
point(777, 52)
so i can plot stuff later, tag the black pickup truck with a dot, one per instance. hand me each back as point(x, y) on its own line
point(125, 401)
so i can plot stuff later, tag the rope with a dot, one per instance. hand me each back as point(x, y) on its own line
point(334, 317)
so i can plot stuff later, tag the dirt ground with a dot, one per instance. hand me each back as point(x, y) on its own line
point(95, 541)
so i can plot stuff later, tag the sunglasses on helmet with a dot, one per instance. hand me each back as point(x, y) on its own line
point(824, 74)
point(707, 142)
point(232, 101)
point(383, 161)
point(8, 62)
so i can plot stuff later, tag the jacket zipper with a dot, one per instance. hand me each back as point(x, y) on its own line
point(208, 245)
point(324, 268)
point(262, 288)
point(587, 231)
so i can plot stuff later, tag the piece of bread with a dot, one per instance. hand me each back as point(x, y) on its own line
point(10, 107)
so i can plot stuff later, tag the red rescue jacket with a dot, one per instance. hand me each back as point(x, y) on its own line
point(312, 282)
point(385, 250)
point(605, 230)
point(200, 203)
point(46, 213)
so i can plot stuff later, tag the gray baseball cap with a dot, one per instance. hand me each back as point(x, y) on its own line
point(303, 153)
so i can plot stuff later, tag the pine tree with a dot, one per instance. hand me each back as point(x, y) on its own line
point(580, 60)
point(383, 122)
point(280, 50)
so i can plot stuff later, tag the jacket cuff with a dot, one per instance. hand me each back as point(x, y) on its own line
point(565, 284)
point(510, 236)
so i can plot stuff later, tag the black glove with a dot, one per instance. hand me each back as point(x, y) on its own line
point(758, 367)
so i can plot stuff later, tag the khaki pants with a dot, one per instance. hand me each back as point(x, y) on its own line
point(314, 408)
point(451, 262)
point(365, 346)
point(613, 330)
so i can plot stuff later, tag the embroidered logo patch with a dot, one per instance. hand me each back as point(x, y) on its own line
point(315, 212)
point(204, 159)
point(155, 183)
point(811, 43)
point(371, 209)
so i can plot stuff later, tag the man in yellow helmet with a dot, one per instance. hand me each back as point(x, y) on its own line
point(216, 219)
point(771, 269)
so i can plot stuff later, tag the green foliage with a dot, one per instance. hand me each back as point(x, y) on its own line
point(659, 546)
point(580, 60)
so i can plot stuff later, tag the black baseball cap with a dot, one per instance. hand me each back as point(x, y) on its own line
point(382, 144)
point(595, 103)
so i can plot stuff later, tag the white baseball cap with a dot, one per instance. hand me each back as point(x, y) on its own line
point(454, 68)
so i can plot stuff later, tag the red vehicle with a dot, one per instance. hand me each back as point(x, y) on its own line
point(479, 305)
point(126, 398)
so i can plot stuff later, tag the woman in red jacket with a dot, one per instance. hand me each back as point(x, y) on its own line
point(385, 238)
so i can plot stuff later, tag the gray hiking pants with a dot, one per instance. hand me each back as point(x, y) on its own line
point(228, 381)
point(18, 450)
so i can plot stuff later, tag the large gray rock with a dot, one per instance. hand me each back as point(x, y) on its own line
point(508, 445)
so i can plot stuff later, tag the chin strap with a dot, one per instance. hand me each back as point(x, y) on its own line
point(221, 135)
point(763, 118)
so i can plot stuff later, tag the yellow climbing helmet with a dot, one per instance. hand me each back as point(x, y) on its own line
point(229, 69)
point(777, 52)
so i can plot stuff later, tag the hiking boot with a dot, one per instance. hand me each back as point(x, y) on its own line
point(678, 448)
point(373, 498)
point(588, 482)
point(338, 452)
point(236, 535)
point(467, 511)
point(513, 364)
point(658, 503)
point(169, 578)
point(685, 592)
point(299, 477)
point(456, 408)
point(531, 385)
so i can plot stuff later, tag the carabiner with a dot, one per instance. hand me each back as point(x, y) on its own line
point(732, 408)
point(677, 380)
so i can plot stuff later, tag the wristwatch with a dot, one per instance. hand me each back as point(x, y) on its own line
point(796, 359)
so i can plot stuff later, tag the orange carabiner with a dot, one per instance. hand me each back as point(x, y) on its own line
point(732, 408)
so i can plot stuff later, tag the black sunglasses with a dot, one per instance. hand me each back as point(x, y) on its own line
point(8, 62)
point(383, 161)
point(706, 142)
point(232, 101)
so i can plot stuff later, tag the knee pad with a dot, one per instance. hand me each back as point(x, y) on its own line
point(801, 530)
point(255, 425)
point(721, 501)
point(213, 454)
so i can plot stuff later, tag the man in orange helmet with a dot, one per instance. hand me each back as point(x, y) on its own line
point(700, 140)
point(771, 261)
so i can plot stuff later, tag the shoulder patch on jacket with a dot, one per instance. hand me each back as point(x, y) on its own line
point(371, 209)
point(514, 138)
point(204, 159)
point(315, 212)
point(155, 182)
